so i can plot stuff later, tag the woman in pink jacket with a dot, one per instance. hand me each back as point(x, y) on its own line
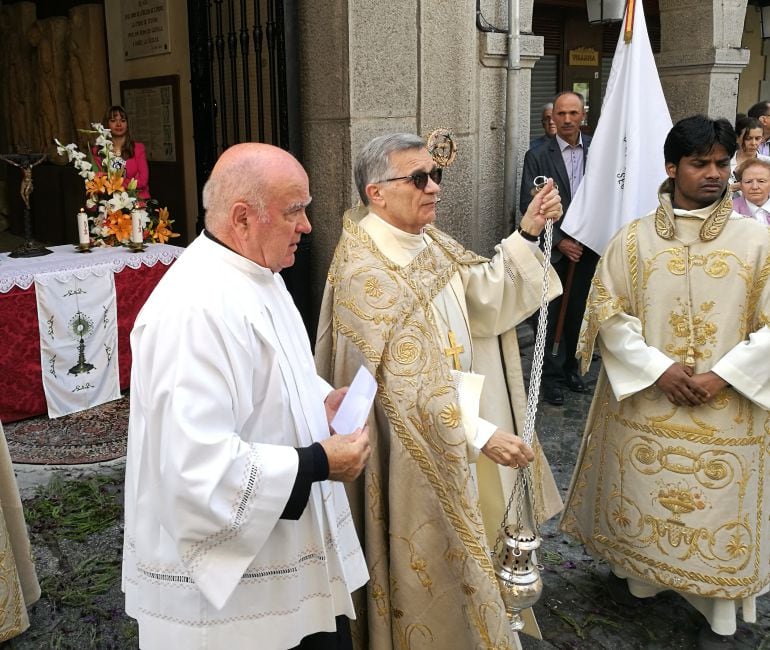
point(127, 151)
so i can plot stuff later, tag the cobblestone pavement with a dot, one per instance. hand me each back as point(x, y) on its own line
point(82, 605)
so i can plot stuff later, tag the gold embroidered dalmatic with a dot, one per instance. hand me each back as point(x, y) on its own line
point(678, 497)
point(417, 508)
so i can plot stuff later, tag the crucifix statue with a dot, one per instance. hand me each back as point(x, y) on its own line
point(25, 162)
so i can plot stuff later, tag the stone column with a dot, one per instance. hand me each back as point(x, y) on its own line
point(49, 37)
point(700, 58)
point(371, 67)
point(89, 87)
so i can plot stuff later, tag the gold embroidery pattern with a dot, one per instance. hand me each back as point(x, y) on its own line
point(470, 541)
point(715, 222)
point(11, 598)
point(632, 253)
point(417, 562)
point(663, 223)
point(404, 633)
point(450, 415)
point(600, 307)
point(757, 287)
point(481, 617)
point(712, 225)
point(705, 331)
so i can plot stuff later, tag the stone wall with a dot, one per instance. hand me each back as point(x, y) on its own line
point(407, 66)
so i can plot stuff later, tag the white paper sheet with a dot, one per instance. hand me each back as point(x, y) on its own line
point(355, 406)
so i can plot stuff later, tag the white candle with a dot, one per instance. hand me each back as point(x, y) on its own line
point(83, 236)
point(137, 234)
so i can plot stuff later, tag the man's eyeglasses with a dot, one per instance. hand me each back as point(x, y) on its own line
point(420, 179)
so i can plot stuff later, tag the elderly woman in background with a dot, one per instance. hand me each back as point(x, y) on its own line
point(749, 132)
point(130, 154)
point(754, 183)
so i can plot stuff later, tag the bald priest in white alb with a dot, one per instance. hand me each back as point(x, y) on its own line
point(238, 531)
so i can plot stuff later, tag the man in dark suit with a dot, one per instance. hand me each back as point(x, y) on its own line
point(563, 159)
point(549, 128)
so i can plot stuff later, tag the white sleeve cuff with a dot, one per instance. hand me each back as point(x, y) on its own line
point(746, 369)
point(630, 363)
point(325, 387)
point(484, 431)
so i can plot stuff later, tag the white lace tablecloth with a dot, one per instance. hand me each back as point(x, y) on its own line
point(20, 271)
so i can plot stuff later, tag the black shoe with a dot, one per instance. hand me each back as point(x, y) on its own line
point(553, 394)
point(710, 640)
point(575, 383)
point(619, 592)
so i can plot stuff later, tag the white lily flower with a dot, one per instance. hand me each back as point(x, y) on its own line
point(119, 201)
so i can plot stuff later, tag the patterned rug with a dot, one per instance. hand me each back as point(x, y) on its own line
point(91, 436)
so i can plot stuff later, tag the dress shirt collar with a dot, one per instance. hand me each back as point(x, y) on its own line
point(753, 207)
point(563, 144)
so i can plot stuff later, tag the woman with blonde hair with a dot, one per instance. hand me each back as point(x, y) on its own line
point(754, 181)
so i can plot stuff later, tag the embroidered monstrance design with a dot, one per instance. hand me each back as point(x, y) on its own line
point(81, 326)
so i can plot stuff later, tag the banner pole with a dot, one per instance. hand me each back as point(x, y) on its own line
point(629, 25)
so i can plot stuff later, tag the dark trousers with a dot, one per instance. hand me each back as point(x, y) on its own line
point(339, 640)
point(556, 367)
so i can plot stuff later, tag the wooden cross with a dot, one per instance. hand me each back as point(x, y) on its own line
point(454, 350)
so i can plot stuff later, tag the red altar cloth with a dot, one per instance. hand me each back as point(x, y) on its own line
point(21, 383)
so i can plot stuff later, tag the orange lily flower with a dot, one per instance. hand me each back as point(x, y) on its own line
point(120, 225)
point(98, 185)
point(114, 183)
point(163, 231)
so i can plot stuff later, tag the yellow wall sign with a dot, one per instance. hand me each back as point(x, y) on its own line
point(584, 56)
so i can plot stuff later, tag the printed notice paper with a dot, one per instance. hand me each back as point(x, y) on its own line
point(355, 406)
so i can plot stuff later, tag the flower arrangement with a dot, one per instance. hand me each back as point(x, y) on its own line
point(110, 200)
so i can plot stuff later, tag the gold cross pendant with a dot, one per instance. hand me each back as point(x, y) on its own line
point(454, 350)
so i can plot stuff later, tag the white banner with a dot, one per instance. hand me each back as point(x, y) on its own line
point(78, 326)
point(625, 165)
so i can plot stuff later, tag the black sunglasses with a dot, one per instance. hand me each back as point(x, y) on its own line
point(420, 179)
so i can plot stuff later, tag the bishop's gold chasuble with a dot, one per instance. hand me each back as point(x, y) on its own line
point(416, 507)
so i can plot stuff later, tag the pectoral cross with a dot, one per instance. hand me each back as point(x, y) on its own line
point(454, 350)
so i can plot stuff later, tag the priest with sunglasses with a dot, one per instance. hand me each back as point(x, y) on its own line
point(435, 324)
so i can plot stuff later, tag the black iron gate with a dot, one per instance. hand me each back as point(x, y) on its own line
point(244, 77)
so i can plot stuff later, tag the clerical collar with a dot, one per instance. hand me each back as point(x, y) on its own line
point(235, 258)
point(714, 216)
point(563, 144)
point(217, 240)
point(406, 240)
